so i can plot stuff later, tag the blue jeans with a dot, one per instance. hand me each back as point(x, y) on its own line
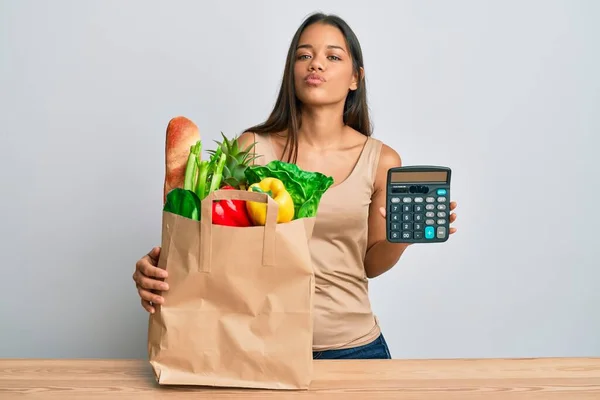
point(376, 349)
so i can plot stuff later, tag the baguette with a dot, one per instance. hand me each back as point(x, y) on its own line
point(181, 134)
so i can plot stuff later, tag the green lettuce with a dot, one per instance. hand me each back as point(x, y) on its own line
point(306, 188)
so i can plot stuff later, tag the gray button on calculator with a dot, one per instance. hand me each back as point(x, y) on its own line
point(407, 199)
point(441, 214)
point(441, 207)
point(430, 199)
point(418, 199)
point(441, 232)
point(441, 199)
point(429, 222)
point(395, 200)
point(441, 221)
point(431, 206)
point(430, 214)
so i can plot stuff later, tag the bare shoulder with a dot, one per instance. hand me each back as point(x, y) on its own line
point(246, 139)
point(388, 158)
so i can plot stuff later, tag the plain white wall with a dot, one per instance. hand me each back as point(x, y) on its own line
point(506, 93)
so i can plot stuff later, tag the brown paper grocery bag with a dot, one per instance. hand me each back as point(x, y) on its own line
point(238, 309)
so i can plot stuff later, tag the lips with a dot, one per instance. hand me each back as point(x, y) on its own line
point(314, 79)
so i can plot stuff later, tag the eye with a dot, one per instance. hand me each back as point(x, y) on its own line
point(303, 57)
point(336, 58)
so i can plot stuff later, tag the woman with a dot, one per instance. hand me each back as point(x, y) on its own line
point(321, 122)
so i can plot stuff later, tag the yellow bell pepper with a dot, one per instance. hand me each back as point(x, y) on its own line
point(275, 188)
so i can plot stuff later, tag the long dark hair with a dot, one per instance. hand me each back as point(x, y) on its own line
point(286, 112)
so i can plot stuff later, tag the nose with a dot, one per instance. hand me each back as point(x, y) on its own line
point(316, 64)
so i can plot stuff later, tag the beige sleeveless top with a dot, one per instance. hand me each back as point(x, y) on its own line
point(342, 310)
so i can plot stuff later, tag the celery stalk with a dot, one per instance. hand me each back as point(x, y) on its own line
point(202, 175)
point(217, 176)
point(191, 169)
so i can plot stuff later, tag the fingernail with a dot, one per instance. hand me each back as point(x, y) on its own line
point(164, 286)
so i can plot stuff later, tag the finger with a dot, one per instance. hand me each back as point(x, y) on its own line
point(452, 230)
point(154, 254)
point(149, 296)
point(147, 306)
point(452, 217)
point(382, 211)
point(152, 284)
point(146, 268)
point(452, 205)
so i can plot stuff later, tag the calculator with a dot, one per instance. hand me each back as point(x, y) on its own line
point(418, 204)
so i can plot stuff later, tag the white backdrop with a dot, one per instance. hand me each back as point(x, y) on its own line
point(506, 93)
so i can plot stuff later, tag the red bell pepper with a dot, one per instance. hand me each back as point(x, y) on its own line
point(230, 212)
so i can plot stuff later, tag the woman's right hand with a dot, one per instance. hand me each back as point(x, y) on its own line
point(148, 279)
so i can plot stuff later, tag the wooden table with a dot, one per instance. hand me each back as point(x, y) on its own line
point(538, 378)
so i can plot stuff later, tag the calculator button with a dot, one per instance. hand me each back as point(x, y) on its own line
point(441, 199)
point(441, 214)
point(395, 217)
point(407, 199)
point(394, 208)
point(418, 199)
point(419, 235)
point(418, 208)
point(418, 217)
point(441, 232)
point(407, 226)
point(418, 226)
point(406, 235)
point(430, 214)
point(394, 226)
point(395, 200)
point(429, 222)
point(395, 235)
point(431, 206)
point(429, 232)
point(441, 192)
point(440, 207)
point(406, 208)
point(406, 217)
point(441, 221)
point(430, 199)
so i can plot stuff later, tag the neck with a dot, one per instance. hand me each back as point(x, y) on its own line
point(321, 127)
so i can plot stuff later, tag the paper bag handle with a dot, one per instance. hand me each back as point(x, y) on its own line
point(206, 224)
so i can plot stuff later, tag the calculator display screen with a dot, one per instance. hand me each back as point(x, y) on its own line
point(416, 176)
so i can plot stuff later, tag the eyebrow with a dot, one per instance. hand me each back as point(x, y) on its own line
point(308, 46)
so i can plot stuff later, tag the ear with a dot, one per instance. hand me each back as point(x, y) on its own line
point(357, 77)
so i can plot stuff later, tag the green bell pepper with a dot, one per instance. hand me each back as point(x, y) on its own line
point(183, 202)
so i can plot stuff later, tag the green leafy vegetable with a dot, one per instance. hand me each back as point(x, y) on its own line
point(306, 188)
point(183, 202)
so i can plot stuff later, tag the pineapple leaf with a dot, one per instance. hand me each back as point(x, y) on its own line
point(231, 182)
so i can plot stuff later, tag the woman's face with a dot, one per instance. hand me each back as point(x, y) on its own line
point(323, 68)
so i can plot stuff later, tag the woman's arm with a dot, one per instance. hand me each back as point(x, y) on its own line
point(381, 254)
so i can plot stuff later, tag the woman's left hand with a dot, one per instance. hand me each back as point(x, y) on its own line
point(451, 219)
